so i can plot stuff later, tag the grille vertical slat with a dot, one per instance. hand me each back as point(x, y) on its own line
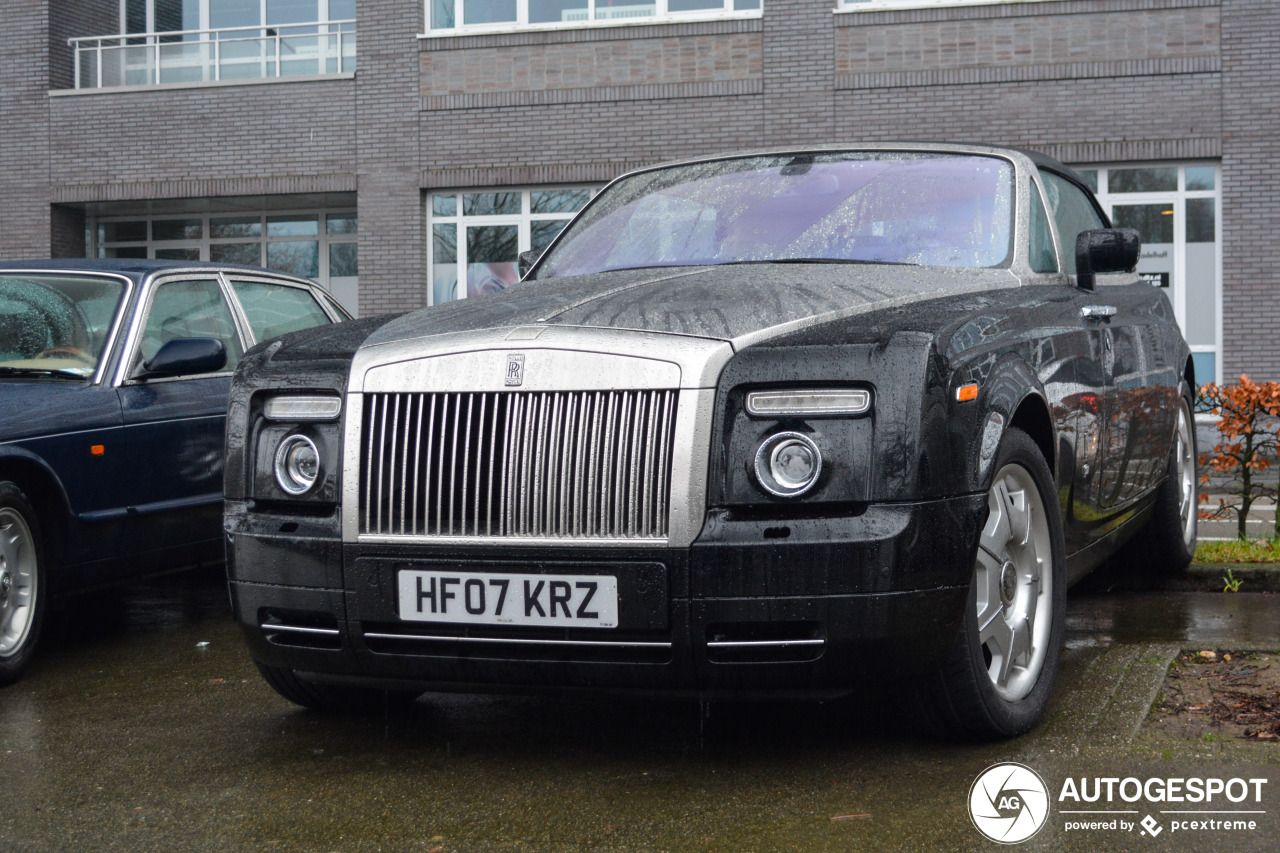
point(417, 462)
point(567, 445)
point(593, 468)
point(382, 443)
point(663, 465)
point(404, 457)
point(578, 465)
point(479, 467)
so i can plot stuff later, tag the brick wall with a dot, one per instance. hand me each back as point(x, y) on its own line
point(1136, 115)
point(1108, 81)
point(678, 61)
point(72, 19)
point(1251, 214)
point(1042, 35)
point(24, 142)
point(66, 232)
point(393, 268)
point(174, 142)
point(798, 103)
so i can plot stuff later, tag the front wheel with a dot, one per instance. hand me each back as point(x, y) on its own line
point(21, 582)
point(996, 681)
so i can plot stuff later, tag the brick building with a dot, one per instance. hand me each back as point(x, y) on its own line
point(400, 151)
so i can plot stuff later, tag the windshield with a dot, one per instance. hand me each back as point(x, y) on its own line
point(55, 324)
point(888, 207)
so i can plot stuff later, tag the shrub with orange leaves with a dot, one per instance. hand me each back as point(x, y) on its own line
point(1249, 415)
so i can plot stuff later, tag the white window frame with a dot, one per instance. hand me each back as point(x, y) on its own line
point(344, 292)
point(1177, 199)
point(844, 6)
point(660, 15)
point(322, 7)
point(523, 221)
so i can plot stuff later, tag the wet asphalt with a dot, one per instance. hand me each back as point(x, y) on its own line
point(143, 726)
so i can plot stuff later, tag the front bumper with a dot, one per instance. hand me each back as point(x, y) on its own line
point(756, 606)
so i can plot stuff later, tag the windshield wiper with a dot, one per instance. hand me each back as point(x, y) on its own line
point(818, 261)
point(57, 373)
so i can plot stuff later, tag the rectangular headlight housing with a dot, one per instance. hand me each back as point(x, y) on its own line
point(809, 403)
point(300, 407)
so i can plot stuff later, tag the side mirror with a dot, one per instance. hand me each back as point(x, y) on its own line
point(526, 261)
point(184, 356)
point(1105, 250)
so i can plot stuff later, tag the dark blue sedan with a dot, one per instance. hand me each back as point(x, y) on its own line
point(114, 378)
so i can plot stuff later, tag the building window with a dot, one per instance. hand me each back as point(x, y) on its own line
point(319, 245)
point(446, 17)
point(201, 41)
point(479, 235)
point(1175, 209)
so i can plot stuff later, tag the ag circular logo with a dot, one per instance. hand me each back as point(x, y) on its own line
point(1009, 803)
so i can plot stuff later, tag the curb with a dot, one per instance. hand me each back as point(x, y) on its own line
point(1253, 577)
point(1197, 577)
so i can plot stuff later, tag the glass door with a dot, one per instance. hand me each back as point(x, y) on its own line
point(1174, 208)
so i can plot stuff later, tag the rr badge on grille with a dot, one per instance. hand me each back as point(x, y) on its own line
point(515, 369)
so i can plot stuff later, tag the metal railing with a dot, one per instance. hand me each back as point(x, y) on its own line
point(202, 56)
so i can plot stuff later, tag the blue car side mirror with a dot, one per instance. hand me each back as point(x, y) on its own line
point(184, 356)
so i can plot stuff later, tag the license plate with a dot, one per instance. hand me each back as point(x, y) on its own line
point(488, 598)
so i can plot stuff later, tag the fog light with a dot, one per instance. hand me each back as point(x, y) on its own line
point(788, 464)
point(297, 464)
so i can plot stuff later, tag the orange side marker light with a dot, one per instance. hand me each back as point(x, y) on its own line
point(98, 449)
point(965, 393)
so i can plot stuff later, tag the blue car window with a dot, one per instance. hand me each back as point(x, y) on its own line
point(189, 309)
point(276, 309)
point(56, 322)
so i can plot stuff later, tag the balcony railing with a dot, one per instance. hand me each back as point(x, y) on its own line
point(203, 56)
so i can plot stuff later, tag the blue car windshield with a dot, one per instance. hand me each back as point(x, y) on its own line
point(927, 209)
point(53, 324)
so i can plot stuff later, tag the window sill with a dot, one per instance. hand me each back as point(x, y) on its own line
point(204, 84)
point(900, 5)
point(521, 29)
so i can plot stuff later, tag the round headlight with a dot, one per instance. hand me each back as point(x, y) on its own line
point(297, 464)
point(788, 464)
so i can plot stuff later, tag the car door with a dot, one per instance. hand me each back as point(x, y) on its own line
point(1113, 446)
point(1071, 357)
point(174, 426)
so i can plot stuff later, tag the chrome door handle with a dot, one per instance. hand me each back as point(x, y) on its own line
point(1098, 312)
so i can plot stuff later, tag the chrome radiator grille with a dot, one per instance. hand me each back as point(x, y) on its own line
point(583, 464)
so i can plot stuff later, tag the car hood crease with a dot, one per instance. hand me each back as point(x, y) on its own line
point(741, 304)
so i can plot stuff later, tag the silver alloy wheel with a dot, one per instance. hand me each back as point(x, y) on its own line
point(1184, 461)
point(17, 581)
point(1014, 584)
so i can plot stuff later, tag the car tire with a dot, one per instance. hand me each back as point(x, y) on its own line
point(1167, 543)
point(997, 678)
point(22, 581)
point(330, 697)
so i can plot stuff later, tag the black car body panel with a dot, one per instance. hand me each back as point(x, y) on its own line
point(728, 589)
